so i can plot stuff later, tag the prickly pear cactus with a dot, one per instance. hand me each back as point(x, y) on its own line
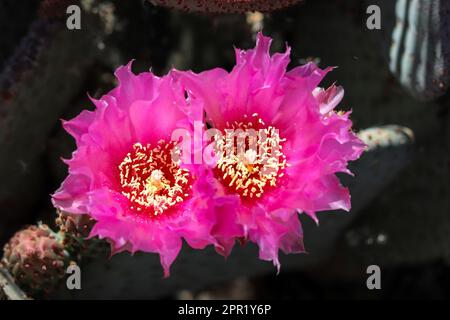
point(36, 258)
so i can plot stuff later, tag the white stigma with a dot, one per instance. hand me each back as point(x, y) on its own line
point(250, 156)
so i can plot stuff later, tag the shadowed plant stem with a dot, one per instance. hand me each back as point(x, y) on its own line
point(9, 288)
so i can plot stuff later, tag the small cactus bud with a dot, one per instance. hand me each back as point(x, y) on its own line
point(78, 225)
point(75, 230)
point(36, 258)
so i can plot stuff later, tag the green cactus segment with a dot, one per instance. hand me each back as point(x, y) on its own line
point(386, 136)
point(417, 44)
point(389, 151)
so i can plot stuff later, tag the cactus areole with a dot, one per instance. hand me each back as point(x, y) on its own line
point(231, 6)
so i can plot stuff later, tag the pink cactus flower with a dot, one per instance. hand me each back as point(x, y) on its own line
point(314, 143)
point(123, 176)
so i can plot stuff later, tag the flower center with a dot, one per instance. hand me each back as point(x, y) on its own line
point(252, 161)
point(151, 180)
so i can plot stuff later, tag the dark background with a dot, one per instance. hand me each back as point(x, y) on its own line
point(46, 72)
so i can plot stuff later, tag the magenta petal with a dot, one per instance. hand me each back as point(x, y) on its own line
point(79, 126)
point(329, 99)
point(203, 86)
point(276, 230)
point(145, 115)
point(72, 195)
point(134, 87)
point(227, 228)
point(311, 72)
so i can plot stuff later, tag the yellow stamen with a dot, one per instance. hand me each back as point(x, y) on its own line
point(151, 180)
point(250, 174)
